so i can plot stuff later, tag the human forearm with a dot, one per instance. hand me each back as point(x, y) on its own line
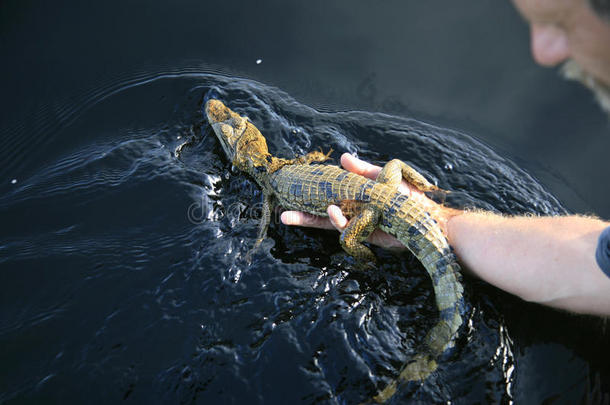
point(549, 260)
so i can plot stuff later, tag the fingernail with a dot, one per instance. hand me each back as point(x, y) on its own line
point(286, 218)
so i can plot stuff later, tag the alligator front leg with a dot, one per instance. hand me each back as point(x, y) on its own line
point(357, 231)
point(395, 170)
point(315, 156)
point(312, 157)
point(263, 225)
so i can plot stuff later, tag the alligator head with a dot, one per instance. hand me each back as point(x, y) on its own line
point(242, 142)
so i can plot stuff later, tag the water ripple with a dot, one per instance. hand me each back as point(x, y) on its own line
point(139, 287)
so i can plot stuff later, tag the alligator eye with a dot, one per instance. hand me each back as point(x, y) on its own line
point(238, 122)
point(226, 130)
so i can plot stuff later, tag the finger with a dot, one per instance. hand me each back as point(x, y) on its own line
point(304, 219)
point(336, 217)
point(355, 165)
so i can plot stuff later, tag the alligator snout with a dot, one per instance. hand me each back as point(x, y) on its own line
point(216, 111)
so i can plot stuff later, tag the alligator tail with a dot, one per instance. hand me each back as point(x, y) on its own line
point(427, 242)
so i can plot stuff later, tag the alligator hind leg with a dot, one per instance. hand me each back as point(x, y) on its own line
point(395, 170)
point(357, 231)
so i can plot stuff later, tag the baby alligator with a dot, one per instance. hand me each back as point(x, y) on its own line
point(300, 184)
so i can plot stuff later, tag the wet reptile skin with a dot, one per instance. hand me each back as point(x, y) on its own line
point(304, 184)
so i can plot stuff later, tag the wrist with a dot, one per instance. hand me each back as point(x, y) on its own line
point(445, 217)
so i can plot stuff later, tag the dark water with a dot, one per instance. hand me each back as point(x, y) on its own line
point(121, 265)
point(123, 273)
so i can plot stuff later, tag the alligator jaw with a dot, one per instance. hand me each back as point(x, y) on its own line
point(227, 125)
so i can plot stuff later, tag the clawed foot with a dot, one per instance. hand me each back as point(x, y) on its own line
point(315, 156)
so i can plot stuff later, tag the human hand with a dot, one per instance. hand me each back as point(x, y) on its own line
point(336, 219)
